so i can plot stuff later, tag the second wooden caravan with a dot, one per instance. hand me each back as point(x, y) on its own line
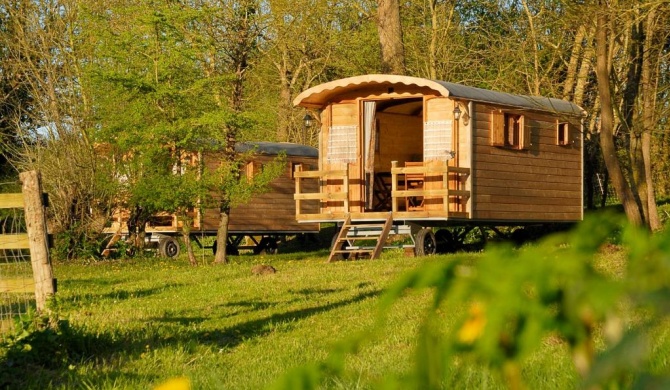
point(423, 154)
point(260, 225)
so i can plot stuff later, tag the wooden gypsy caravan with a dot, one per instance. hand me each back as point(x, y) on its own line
point(264, 221)
point(406, 154)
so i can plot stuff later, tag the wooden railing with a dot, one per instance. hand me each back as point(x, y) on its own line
point(320, 196)
point(456, 175)
point(454, 194)
point(36, 239)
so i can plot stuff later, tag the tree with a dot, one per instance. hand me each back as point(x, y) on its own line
point(232, 31)
point(390, 36)
point(52, 131)
point(160, 102)
point(309, 42)
point(603, 28)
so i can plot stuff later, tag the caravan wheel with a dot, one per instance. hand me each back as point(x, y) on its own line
point(267, 245)
point(168, 247)
point(425, 243)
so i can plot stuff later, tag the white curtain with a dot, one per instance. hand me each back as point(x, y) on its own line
point(342, 144)
point(369, 131)
point(437, 141)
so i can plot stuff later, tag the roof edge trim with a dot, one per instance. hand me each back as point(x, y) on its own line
point(357, 81)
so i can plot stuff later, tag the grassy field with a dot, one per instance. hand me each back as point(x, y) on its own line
point(133, 324)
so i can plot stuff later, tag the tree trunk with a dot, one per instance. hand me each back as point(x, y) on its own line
point(390, 36)
point(584, 70)
point(607, 121)
point(648, 92)
point(222, 238)
point(571, 71)
point(285, 106)
point(186, 235)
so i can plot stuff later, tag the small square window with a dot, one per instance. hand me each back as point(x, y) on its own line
point(563, 133)
point(509, 130)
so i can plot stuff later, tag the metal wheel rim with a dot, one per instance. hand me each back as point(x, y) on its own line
point(171, 249)
point(429, 245)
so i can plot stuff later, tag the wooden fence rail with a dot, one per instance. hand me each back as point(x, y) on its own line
point(36, 239)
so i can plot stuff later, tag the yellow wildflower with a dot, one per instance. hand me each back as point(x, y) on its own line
point(474, 325)
point(175, 384)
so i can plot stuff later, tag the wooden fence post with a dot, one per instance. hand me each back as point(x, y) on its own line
point(36, 226)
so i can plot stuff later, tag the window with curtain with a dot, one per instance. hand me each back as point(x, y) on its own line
point(437, 142)
point(342, 144)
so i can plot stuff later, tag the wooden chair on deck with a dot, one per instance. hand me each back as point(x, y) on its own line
point(382, 191)
point(414, 181)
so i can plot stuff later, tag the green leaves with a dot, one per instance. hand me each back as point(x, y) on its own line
point(504, 306)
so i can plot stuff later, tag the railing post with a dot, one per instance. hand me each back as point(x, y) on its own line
point(445, 185)
point(298, 189)
point(36, 226)
point(394, 186)
point(345, 182)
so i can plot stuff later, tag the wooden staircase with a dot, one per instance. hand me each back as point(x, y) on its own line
point(372, 234)
point(107, 250)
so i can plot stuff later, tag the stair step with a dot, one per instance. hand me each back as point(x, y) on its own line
point(376, 226)
point(365, 236)
point(351, 231)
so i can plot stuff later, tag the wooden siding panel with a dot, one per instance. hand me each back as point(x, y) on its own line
point(509, 199)
point(540, 179)
point(517, 217)
point(272, 211)
point(542, 183)
point(438, 109)
point(495, 191)
point(338, 114)
point(526, 160)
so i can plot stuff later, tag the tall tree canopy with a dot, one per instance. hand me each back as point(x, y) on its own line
point(151, 81)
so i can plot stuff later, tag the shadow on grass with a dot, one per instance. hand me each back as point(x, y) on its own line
point(119, 295)
point(233, 336)
point(315, 291)
point(43, 357)
point(247, 306)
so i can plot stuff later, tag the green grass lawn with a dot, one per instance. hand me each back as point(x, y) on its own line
point(134, 324)
point(223, 327)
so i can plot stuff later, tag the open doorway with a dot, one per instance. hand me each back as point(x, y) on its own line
point(392, 131)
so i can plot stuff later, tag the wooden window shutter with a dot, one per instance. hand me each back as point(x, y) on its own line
point(524, 142)
point(497, 128)
point(563, 133)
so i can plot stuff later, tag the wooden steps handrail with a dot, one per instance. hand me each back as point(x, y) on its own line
point(382, 237)
point(340, 235)
point(379, 234)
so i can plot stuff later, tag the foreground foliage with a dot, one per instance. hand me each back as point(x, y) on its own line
point(612, 326)
point(587, 307)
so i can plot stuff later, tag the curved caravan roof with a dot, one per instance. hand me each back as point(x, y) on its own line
point(275, 148)
point(319, 96)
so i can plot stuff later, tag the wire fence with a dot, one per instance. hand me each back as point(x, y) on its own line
point(17, 287)
point(605, 190)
